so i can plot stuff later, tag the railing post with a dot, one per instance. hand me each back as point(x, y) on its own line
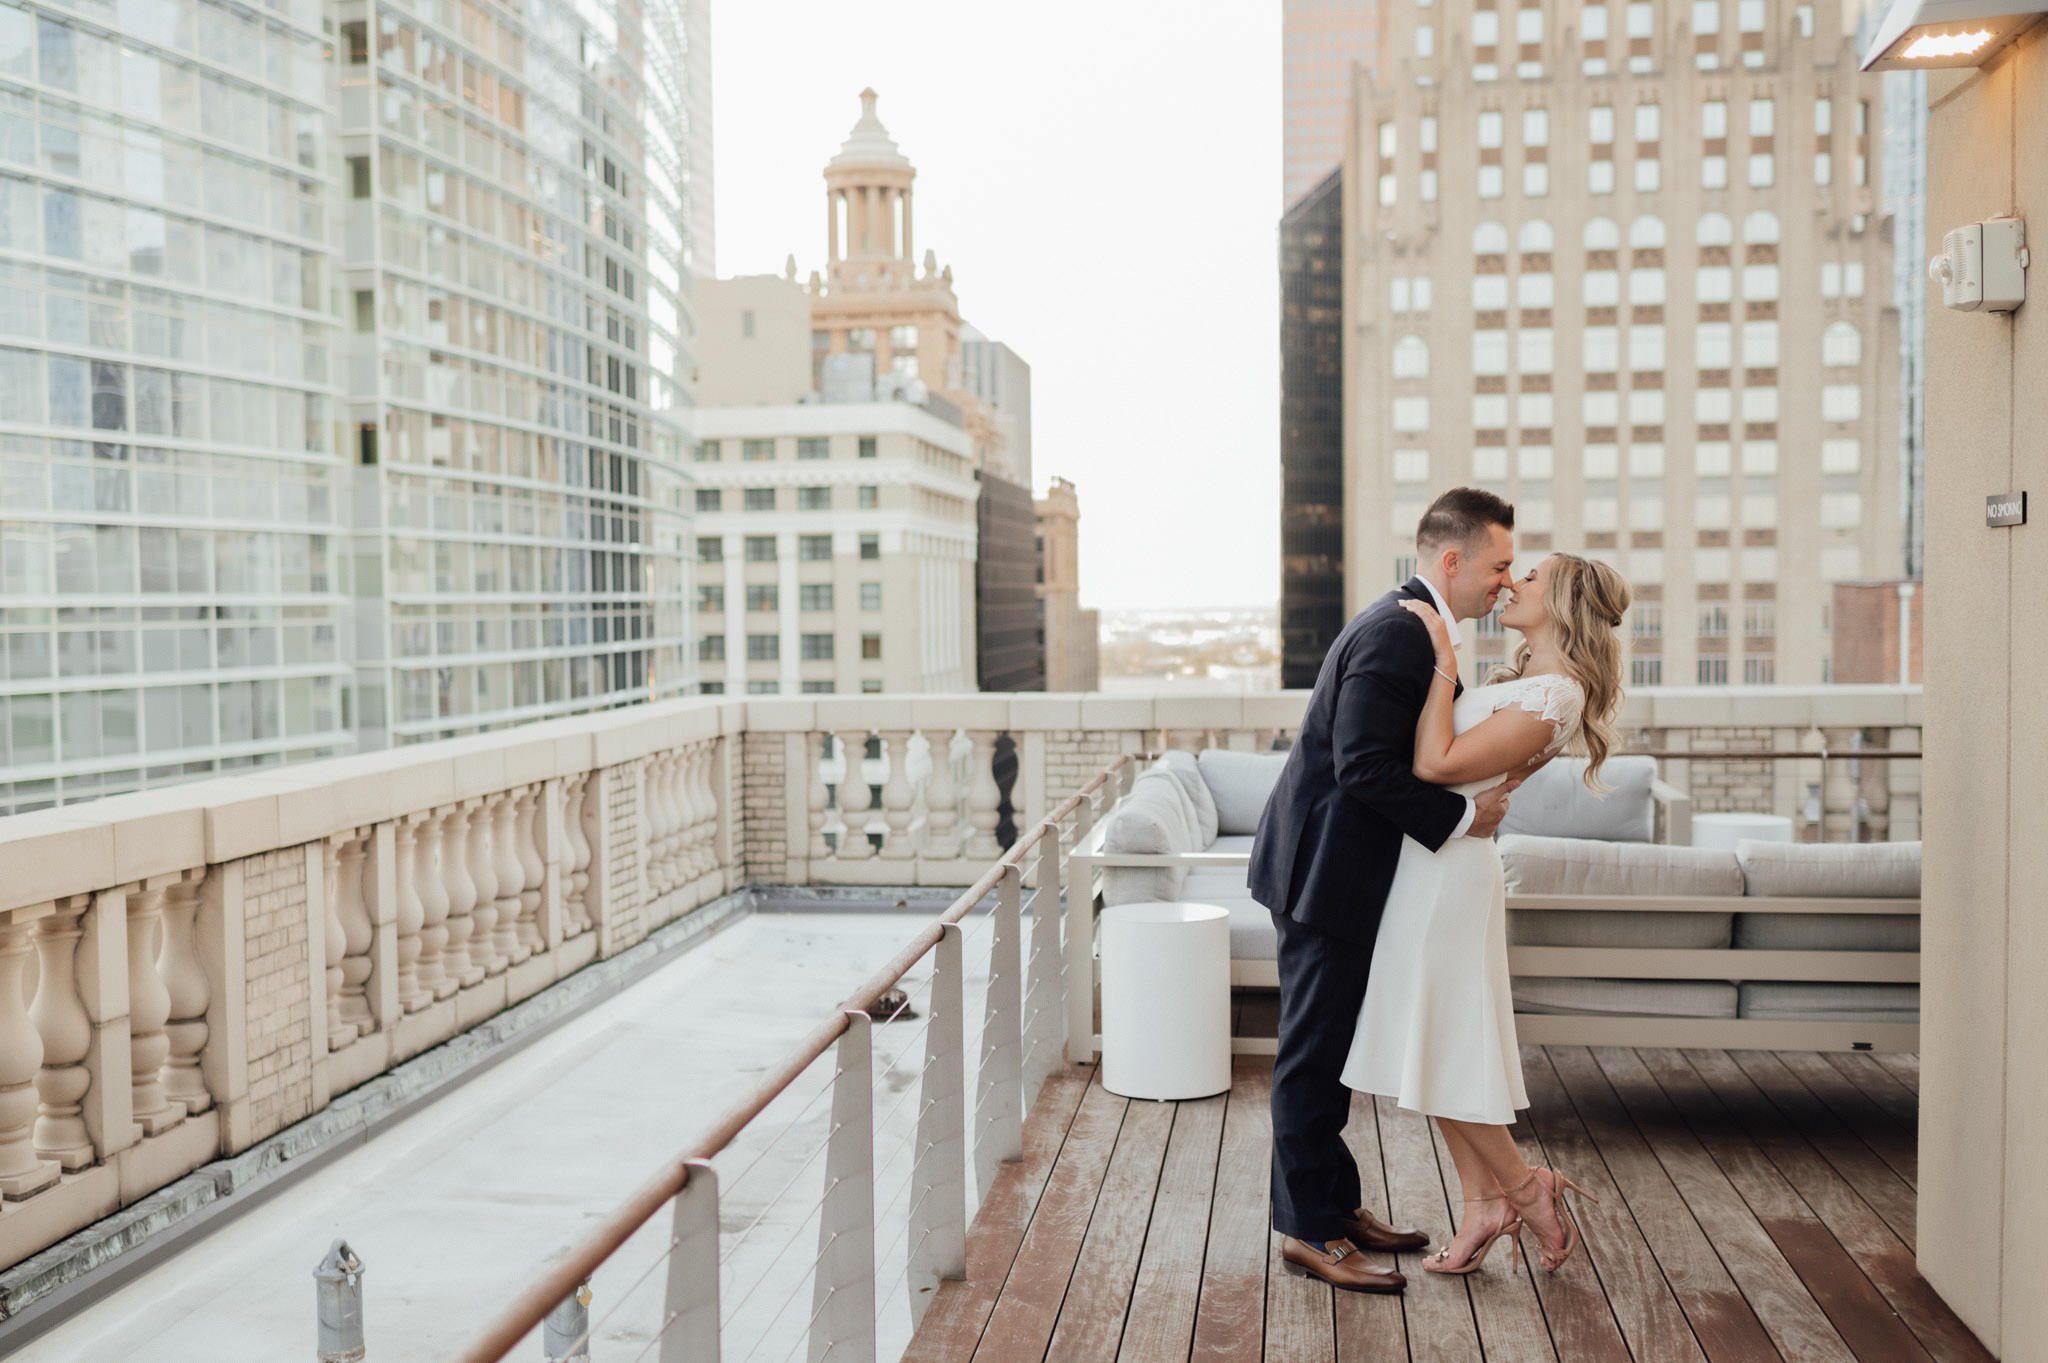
point(998, 1105)
point(690, 1315)
point(1905, 787)
point(1079, 902)
point(843, 1287)
point(938, 1183)
point(1045, 1004)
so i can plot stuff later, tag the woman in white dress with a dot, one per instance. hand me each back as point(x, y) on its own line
point(1437, 1031)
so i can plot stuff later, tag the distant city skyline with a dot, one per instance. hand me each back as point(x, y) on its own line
point(1067, 210)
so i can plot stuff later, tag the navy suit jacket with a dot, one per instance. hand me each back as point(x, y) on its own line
point(1331, 833)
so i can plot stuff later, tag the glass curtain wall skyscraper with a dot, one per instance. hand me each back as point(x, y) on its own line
point(341, 360)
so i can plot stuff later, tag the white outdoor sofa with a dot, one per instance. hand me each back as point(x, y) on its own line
point(1614, 938)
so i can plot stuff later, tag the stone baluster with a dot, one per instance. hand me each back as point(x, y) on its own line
point(683, 842)
point(854, 801)
point(463, 963)
point(668, 819)
point(410, 914)
point(705, 861)
point(816, 798)
point(1877, 793)
point(431, 884)
point(897, 795)
point(483, 870)
point(654, 820)
point(533, 872)
point(340, 1030)
point(576, 891)
point(984, 798)
point(149, 1008)
point(1838, 788)
point(190, 992)
point(61, 1021)
point(360, 933)
point(22, 1174)
point(941, 800)
point(1905, 787)
point(505, 942)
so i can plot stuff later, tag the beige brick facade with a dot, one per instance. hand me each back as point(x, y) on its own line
point(277, 994)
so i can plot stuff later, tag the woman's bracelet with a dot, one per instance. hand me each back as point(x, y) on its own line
point(1445, 675)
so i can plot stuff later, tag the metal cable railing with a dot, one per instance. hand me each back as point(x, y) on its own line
point(1030, 1018)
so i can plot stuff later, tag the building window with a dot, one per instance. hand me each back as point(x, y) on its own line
point(710, 598)
point(1712, 671)
point(1841, 402)
point(1535, 350)
point(1600, 123)
point(1411, 414)
point(814, 548)
point(1823, 169)
point(1411, 466)
point(1760, 345)
point(817, 648)
point(867, 447)
point(1759, 670)
point(870, 596)
point(814, 499)
point(1763, 118)
point(1649, 176)
point(1489, 352)
point(815, 596)
point(760, 499)
point(764, 648)
point(1646, 672)
point(761, 596)
point(1713, 172)
point(1763, 170)
point(756, 451)
point(764, 688)
point(760, 548)
point(710, 549)
point(1489, 293)
point(1491, 182)
point(1411, 358)
point(814, 447)
point(707, 453)
point(817, 688)
point(1535, 180)
point(1841, 456)
point(870, 498)
point(1841, 344)
point(708, 498)
point(1489, 411)
point(710, 688)
point(1645, 348)
point(870, 647)
point(871, 547)
point(711, 649)
point(359, 186)
point(1600, 349)
point(1713, 284)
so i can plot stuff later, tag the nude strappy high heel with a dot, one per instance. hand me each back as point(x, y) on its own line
point(1559, 1183)
point(1511, 1232)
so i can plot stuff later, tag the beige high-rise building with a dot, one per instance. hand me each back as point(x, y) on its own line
point(1320, 42)
point(1624, 265)
point(1072, 635)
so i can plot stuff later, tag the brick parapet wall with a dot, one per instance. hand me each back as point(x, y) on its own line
point(626, 896)
point(761, 779)
point(277, 990)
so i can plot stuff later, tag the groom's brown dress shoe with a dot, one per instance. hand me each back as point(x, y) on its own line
point(1369, 1232)
point(1339, 1264)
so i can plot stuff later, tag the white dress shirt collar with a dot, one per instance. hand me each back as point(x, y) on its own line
point(1443, 609)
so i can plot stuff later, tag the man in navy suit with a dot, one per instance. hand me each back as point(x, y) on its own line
point(1324, 859)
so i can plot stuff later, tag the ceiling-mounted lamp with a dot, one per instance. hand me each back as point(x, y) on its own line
point(1922, 35)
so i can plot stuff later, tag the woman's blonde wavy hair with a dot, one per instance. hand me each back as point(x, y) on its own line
point(1585, 600)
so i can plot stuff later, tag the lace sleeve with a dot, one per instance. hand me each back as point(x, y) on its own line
point(1554, 699)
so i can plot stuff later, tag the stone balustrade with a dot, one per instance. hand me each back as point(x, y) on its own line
point(186, 972)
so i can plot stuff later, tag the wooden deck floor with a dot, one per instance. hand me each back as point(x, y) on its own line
point(1754, 1206)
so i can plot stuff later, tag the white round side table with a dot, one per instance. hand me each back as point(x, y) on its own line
point(1722, 831)
point(1165, 999)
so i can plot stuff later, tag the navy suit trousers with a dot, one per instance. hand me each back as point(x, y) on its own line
point(1322, 988)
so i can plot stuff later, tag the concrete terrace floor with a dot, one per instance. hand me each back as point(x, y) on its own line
point(457, 1206)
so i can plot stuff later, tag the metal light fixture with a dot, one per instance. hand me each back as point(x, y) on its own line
point(1921, 35)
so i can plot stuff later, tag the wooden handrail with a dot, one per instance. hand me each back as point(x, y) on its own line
point(1774, 755)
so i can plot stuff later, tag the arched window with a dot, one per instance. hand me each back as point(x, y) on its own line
point(1602, 235)
point(1646, 233)
point(1536, 236)
point(1841, 344)
point(1489, 239)
point(1760, 226)
point(1714, 230)
point(1411, 358)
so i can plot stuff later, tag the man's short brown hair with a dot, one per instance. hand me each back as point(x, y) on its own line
point(1462, 517)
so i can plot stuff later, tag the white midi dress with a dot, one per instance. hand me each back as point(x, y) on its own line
point(1437, 1030)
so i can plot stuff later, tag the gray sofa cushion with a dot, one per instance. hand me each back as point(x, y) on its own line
point(1233, 842)
point(1805, 870)
point(1182, 766)
point(1251, 926)
point(1240, 783)
point(1539, 865)
point(1558, 994)
point(1151, 820)
point(1828, 931)
point(1830, 1001)
point(1206, 883)
point(1601, 928)
point(1554, 803)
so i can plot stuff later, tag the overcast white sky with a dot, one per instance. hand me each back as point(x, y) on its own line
point(1102, 177)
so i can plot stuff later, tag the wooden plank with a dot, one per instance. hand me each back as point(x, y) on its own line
point(1230, 1317)
point(1371, 1328)
point(960, 1310)
point(1301, 1318)
point(1890, 1196)
point(1876, 1249)
point(1881, 1086)
point(1902, 1066)
point(1439, 1308)
point(1869, 1326)
point(1504, 1303)
point(1098, 1296)
point(1161, 1324)
point(1021, 1326)
point(1896, 1144)
point(1783, 1305)
point(1722, 1321)
point(1615, 1273)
